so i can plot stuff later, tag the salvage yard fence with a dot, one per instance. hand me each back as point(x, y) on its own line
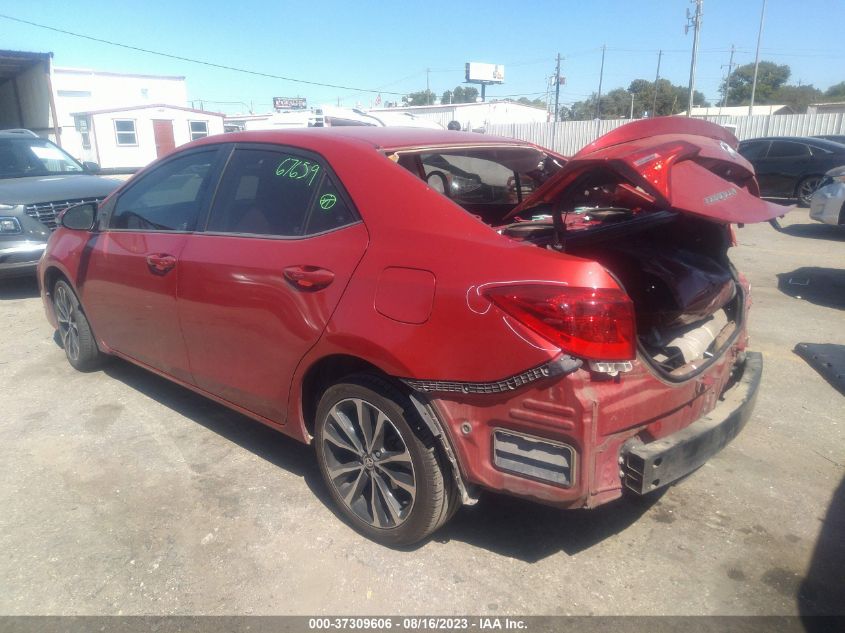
point(567, 137)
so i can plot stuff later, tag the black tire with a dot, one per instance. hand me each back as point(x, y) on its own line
point(806, 188)
point(386, 475)
point(74, 330)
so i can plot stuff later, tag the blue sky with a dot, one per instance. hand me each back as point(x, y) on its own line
point(389, 45)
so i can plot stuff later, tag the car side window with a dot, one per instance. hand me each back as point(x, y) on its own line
point(788, 149)
point(265, 192)
point(329, 209)
point(753, 150)
point(168, 198)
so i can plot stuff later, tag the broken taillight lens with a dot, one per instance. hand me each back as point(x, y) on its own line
point(596, 324)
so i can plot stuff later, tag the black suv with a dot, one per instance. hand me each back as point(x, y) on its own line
point(38, 180)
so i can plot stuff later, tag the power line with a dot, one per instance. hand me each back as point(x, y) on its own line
point(195, 61)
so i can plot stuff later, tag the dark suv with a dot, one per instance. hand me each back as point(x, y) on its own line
point(38, 180)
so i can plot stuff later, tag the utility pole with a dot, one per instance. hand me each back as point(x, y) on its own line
point(557, 87)
point(757, 60)
point(728, 79)
point(631, 116)
point(656, 79)
point(601, 77)
point(695, 22)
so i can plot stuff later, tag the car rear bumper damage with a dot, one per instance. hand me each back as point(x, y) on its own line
point(647, 467)
point(551, 441)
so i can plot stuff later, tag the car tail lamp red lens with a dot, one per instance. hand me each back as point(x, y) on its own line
point(654, 165)
point(596, 324)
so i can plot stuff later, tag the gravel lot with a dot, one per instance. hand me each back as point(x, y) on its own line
point(121, 493)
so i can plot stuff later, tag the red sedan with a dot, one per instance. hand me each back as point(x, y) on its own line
point(438, 312)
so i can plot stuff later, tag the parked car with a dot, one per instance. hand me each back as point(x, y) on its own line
point(838, 138)
point(792, 167)
point(556, 330)
point(828, 203)
point(38, 180)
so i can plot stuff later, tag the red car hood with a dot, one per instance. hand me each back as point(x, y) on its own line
point(686, 165)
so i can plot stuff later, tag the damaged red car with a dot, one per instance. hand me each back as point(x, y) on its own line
point(438, 313)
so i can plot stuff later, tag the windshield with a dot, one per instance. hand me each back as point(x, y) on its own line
point(30, 156)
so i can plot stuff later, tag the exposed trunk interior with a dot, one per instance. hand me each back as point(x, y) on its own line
point(673, 265)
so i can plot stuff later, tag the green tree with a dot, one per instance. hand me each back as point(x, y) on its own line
point(447, 97)
point(615, 104)
point(797, 97)
point(464, 95)
point(770, 77)
point(423, 97)
point(536, 103)
point(836, 91)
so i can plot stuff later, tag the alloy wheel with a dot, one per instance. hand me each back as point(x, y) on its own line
point(368, 463)
point(68, 327)
point(807, 188)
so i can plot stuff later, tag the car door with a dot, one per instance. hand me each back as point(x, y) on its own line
point(258, 286)
point(783, 165)
point(133, 271)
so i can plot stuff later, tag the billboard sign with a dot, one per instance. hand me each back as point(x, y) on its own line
point(289, 103)
point(476, 72)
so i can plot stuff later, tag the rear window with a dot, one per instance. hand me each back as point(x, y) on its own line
point(486, 181)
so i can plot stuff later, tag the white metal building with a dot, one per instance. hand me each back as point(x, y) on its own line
point(131, 137)
point(85, 90)
point(475, 116)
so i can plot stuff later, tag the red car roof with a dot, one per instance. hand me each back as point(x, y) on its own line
point(388, 138)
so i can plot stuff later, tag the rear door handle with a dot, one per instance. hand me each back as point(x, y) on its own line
point(308, 278)
point(161, 263)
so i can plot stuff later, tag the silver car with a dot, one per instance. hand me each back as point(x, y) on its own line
point(828, 203)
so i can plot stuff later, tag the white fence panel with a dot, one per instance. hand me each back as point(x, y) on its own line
point(568, 137)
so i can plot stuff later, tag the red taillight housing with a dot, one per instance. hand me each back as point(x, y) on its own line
point(654, 164)
point(596, 324)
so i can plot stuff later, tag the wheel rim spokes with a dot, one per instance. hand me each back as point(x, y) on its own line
point(368, 463)
point(66, 317)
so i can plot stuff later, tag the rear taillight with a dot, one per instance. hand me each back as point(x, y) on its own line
point(654, 164)
point(596, 324)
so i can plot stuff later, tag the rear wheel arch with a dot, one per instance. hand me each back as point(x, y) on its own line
point(324, 373)
point(433, 482)
point(334, 369)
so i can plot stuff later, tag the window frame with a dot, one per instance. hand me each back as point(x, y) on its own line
point(191, 130)
point(117, 132)
point(106, 215)
point(343, 194)
point(781, 142)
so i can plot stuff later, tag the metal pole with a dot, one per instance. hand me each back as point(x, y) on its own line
point(631, 116)
point(728, 79)
point(656, 79)
point(696, 22)
point(557, 87)
point(757, 60)
point(601, 77)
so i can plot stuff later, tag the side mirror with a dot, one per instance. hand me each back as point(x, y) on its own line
point(92, 167)
point(81, 217)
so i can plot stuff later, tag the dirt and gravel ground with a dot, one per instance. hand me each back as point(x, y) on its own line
point(121, 493)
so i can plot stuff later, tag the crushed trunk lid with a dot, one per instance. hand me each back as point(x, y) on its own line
point(669, 163)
